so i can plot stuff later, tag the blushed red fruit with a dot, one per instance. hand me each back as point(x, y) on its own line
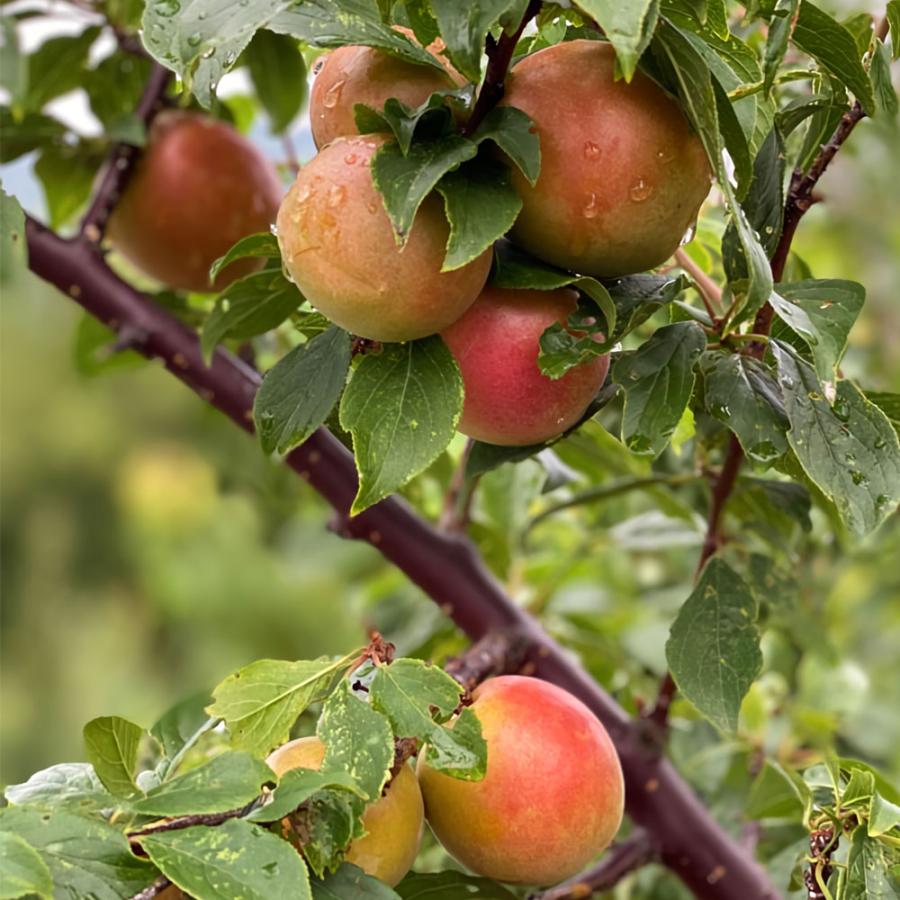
point(394, 822)
point(622, 174)
point(356, 74)
point(338, 244)
point(198, 188)
point(496, 344)
point(553, 795)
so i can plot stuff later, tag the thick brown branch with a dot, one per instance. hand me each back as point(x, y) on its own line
point(500, 54)
point(621, 859)
point(122, 158)
point(497, 653)
point(446, 567)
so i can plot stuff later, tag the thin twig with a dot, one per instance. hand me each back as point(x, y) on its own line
point(710, 293)
point(121, 160)
point(460, 493)
point(497, 653)
point(620, 860)
point(290, 152)
point(500, 54)
point(179, 823)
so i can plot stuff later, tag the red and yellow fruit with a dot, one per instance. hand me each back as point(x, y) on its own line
point(339, 246)
point(553, 795)
point(622, 174)
point(394, 822)
point(496, 344)
point(198, 188)
point(356, 74)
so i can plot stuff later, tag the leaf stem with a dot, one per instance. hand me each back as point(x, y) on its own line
point(710, 293)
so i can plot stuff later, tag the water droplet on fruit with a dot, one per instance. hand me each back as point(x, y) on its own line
point(302, 194)
point(689, 234)
point(665, 156)
point(373, 208)
point(333, 95)
point(350, 158)
point(640, 190)
point(336, 196)
point(592, 208)
point(591, 150)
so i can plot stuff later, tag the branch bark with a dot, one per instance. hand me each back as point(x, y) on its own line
point(447, 567)
point(620, 860)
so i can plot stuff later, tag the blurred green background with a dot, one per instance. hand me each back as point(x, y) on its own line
point(148, 548)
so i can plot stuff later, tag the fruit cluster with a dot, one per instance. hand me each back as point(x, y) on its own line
point(622, 178)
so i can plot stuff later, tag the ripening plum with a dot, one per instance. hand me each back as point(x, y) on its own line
point(356, 74)
point(622, 174)
point(198, 188)
point(553, 795)
point(496, 344)
point(394, 822)
point(339, 246)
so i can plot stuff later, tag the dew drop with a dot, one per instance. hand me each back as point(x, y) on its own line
point(167, 8)
point(826, 305)
point(640, 190)
point(333, 95)
point(591, 150)
point(689, 234)
point(850, 458)
point(665, 156)
point(373, 208)
point(194, 39)
point(202, 15)
point(858, 478)
point(302, 194)
point(591, 209)
point(881, 500)
point(350, 158)
point(880, 444)
point(208, 52)
point(336, 196)
point(230, 58)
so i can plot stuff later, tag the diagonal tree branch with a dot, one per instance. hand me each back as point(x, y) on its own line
point(447, 567)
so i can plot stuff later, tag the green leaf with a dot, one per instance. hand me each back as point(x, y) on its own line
point(67, 175)
point(742, 393)
point(112, 748)
point(628, 27)
point(832, 46)
point(279, 75)
point(777, 794)
point(264, 244)
point(888, 403)
point(114, 88)
point(201, 40)
point(849, 450)
point(295, 787)
point(463, 27)
point(450, 886)
point(350, 881)
point(13, 63)
point(698, 99)
point(57, 67)
point(300, 390)
point(859, 789)
point(763, 205)
point(358, 740)
point(250, 306)
point(22, 871)
point(822, 312)
point(778, 38)
point(331, 819)
point(512, 130)
point(432, 118)
point(405, 181)
point(319, 23)
point(261, 701)
point(884, 816)
point(880, 72)
point(713, 647)
point(182, 724)
point(893, 17)
point(86, 857)
point(228, 781)
point(658, 379)
point(481, 206)
point(401, 407)
point(578, 341)
point(413, 695)
point(234, 861)
point(22, 135)
point(869, 875)
point(73, 786)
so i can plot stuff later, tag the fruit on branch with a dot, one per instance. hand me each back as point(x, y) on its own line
point(496, 344)
point(622, 174)
point(357, 74)
point(198, 188)
point(339, 246)
point(394, 822)
point(552, 797)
